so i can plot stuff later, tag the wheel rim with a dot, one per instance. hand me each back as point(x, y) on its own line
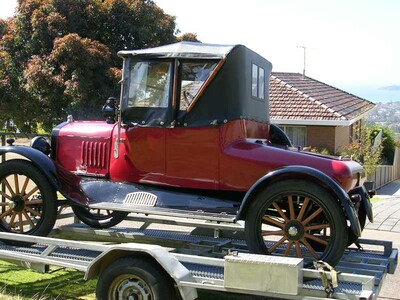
point(296, 225)
point(130, 287)
point(21, 205)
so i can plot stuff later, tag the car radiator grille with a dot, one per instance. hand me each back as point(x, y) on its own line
point(94, 154)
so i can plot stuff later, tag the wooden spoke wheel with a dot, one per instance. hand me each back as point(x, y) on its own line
point(28, 202)
point(99, 218)
point(299, 219)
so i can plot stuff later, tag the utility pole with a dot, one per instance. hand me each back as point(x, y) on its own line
point(304, 59)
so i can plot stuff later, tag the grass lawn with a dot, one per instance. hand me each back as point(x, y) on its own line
point(375, 199)
point(19, 283)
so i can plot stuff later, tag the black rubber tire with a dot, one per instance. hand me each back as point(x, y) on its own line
point(362, 217)
point(278, 137)
point(48, 209)
point(96, 220)
point(331, 215)
point(135, 270)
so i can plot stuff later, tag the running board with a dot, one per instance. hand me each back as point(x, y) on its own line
point(169, 212)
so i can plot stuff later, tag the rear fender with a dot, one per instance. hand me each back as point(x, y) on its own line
point(314, 175)
point(365, 200)
point(61, 180)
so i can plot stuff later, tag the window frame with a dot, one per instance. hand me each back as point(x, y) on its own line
point(258, 82)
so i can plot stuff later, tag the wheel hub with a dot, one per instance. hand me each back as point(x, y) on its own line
point(133, 290)
point(294, 230)
point(17, 203)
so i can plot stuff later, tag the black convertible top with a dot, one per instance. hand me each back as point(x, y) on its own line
point(229, 95)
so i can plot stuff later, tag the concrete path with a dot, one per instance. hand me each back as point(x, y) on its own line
point(386, 214)
point(386, 226)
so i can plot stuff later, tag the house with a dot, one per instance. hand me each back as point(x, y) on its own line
point(315, 114)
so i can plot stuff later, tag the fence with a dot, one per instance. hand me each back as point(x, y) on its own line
point(385, 174)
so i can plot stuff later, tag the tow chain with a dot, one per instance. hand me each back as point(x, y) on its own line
point(329, 285)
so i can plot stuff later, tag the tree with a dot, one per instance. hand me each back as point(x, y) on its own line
point(363, 151)
point(190, 37)
point(59, 57)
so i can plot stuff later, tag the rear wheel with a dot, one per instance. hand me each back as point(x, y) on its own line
point(296, 218)
point(134, 278)
point(99, 218)
point(28, 201)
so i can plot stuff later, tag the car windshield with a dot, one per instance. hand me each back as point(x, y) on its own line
point(149, 84)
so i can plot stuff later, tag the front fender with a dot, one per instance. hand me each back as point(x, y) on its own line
point(303, 172)
point(63, 181)
point(38, 159)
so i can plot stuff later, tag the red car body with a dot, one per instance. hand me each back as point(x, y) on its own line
point(230, 157)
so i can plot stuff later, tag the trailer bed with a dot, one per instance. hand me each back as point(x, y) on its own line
point(361, 272)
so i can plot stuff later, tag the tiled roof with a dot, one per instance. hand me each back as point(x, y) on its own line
point(293, 97)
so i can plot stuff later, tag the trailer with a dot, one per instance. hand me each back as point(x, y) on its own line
point(148, 271)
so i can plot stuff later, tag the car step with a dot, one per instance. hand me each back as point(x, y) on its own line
point(170, 212)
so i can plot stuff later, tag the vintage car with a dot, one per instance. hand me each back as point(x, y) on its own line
point(190, 137)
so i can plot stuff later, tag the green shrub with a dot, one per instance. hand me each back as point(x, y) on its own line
point(388, 142)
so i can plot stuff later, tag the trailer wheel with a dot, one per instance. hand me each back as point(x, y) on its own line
point(29, 202)
point(296, 218)
point(134, 278)
point(99, 218)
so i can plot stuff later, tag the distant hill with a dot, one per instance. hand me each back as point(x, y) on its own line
point(387, 114)
point(390, 88)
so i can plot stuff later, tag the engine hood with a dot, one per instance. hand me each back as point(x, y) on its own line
point(83, 146)
point(258, 158)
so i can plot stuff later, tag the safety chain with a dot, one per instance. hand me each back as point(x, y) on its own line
point(329, 285)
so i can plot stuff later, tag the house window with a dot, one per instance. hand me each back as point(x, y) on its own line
point(297, 134)
point(257, 82)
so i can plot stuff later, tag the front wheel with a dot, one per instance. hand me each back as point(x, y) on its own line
point(99, 218)
point(28, 201)
point(134, 278)
point(296, 218)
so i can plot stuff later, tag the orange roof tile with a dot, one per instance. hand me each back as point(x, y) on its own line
point(293, 97)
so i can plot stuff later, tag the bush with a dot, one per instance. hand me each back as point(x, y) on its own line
point(363, 152)
point(388, 142)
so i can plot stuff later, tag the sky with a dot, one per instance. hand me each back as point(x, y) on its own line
point(353, 45)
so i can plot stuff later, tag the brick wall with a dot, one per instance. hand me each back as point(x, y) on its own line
point(321, 137)
point(342, 137)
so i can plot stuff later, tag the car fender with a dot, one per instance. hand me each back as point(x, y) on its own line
point(67, 183)
point(37, 158)
point(314, 175)
point(365, 200)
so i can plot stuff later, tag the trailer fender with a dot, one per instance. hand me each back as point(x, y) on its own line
point(308, 173)
point(38, 159)
point(160, 255)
